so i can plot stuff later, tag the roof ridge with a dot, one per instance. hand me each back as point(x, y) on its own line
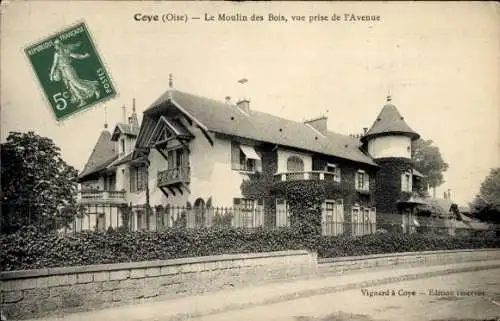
point(223, 104)
point(219, 116)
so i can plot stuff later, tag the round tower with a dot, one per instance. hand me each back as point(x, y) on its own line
point(388, 141)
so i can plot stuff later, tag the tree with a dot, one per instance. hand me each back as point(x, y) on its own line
point(486, 206)
point(38, 187)
point(490, 187)
point(427, 159)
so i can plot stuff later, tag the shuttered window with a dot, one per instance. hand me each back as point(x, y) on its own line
point(138, 179)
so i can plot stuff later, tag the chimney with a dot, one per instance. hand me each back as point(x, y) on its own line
point(243, 102)
point(124, 115)
point(320, 124)
point(365, 130)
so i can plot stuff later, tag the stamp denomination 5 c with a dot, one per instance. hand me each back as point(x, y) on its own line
point(70, 71)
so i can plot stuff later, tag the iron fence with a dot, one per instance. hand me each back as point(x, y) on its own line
point(104, 217)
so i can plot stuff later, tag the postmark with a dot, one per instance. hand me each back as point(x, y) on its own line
point(70, 71)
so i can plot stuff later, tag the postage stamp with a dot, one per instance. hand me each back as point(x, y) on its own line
point(70, 71)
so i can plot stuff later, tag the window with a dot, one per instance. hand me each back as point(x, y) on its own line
point(406, 182)
point(335, 170)
point(282, 213)
point(362, 181)
point(332, 217)
point(138, 179)
point(248, 212)
point(246, 164)
point(122, 146)
point(177, 158)
point(247, 204)
point(363, 220)
point(110, 183)
point(101, 222)
point(244, 158)
point(141, 220)
point(78, 224)
point(294, 164)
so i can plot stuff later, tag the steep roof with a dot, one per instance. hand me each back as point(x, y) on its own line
point(221, 117)
point(390, 121)
point(102, 155)
point(125, 129)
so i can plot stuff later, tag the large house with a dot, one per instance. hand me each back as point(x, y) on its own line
point(193, 153)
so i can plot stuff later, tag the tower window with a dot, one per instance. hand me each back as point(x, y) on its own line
point(406, 182)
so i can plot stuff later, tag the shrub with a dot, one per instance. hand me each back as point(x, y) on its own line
point(30, 248)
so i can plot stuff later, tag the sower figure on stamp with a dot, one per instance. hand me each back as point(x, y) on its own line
point(80, 89)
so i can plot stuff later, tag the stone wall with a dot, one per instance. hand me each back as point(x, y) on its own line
point(35, 293)
point(56, 291)
point(410, 259)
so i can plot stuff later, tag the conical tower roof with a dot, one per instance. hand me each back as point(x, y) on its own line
point(390, 121)
point(102, 155)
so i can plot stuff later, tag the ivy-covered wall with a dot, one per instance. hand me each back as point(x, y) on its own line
point(305, 197)
point(388, 183)
point(259, 186)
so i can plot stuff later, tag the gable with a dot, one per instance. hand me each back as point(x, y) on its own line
point(167, 129)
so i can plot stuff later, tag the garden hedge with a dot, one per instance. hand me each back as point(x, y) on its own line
point(32, 249)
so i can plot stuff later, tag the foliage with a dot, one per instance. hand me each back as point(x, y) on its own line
point(490, 187)
point(304, 199)
point(486, 206)
point(485, 211)
point(428, 160)
point(38, 186)
point(398, 242)
point(30, 248)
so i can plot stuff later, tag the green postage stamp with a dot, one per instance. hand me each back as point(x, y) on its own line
point(70, 71)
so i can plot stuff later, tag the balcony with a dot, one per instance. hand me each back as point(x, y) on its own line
point(101, 197)
point(174, 176)
point(307, 176)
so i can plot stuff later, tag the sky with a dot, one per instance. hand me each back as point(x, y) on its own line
point(439, 61)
